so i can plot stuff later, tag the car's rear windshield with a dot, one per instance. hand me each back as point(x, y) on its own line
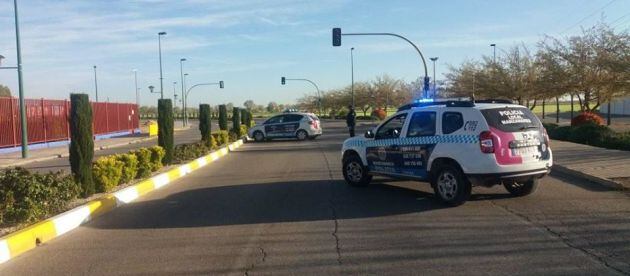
point(511, 119)
point(313, 117)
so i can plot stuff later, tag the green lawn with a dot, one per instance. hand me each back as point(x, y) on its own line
point(551, 107)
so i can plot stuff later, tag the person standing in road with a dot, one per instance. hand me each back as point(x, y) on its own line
point(350, 120)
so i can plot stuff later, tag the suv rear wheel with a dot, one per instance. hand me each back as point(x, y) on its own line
point(301, 135)
point(450, 185)
point(521, 188)
point(354, 172)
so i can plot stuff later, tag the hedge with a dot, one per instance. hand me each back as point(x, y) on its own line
point(145, 167)
point(236, 121)
point(81, 142)
point(165, 129)
point(130, 167)
point(205, 126)
point(223, 120)
point(107, 172)
point(590, 134)
point(27, 197)
point(186, 152)
point(222, 137)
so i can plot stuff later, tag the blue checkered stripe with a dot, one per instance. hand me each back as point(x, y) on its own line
point(443, 139)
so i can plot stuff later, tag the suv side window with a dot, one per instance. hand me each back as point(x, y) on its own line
point(422, 124)
point(275, 120)
point(292, 118)
point(451, 122)
point(392, 128)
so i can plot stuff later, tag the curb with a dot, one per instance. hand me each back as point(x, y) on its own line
point(28, 238)
point(563, 170)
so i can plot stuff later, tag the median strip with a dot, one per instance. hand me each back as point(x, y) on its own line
point(28, 238)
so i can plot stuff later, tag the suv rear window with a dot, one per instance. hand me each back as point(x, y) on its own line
point(511, 119)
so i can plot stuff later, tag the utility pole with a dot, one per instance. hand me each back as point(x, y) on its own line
point(95, 83)
point(434, 59)
point(494, 52)
point(160, 34)
point(352, 74)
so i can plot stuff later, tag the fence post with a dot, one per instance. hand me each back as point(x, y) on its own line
point(44, 120)
point(13, 115)
point(68, 119)
point(117, 117)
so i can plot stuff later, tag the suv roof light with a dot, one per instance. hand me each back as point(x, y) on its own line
point(449, 103)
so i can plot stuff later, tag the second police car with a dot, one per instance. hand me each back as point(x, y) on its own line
point(454, 145)
point(297, 125)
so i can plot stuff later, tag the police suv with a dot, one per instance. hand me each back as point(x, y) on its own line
point(454, 145)
point(297, 125)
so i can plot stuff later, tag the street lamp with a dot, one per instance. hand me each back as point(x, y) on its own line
point(135, 77)
point(185, 95)
point(336, 41)
point(23, 123)
point(283, 81)
point(494, 52)
point(181, 71)
point(352, 75)
point(160, 34)
point(434, 59)
point(95, 84)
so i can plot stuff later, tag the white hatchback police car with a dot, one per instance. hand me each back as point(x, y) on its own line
point(297, 125)
point(454, 145)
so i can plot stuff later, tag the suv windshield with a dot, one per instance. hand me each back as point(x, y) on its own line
point(511, 119)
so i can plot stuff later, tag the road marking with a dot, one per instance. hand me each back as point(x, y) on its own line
point(127, 195)
point(162, 180)
point(4, 251)
point(71, 220)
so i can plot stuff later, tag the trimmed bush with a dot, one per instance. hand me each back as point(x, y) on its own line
point(145, 167)
point(222, 137)
point(130, 167)
point(379, 113)
point(244, 115)
point(244, 130)
point(232, 137)
point(185, 152)
point(165, 129)
point(223, 120)
point(236, 121)
point(589, 134)
point(107, 173)
point(204, 123)
point(27, 197)
point(157, 157)
point(81, 142)
point(587, 118)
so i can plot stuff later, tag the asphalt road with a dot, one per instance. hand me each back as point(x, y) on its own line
point(282, 208)
point(63, 164)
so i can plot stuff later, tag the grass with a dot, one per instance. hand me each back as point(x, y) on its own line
point(551, 107)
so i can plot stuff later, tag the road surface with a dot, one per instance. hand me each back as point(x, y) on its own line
point(282, 208)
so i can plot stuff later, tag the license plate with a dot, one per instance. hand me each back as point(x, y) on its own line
point(525, 151)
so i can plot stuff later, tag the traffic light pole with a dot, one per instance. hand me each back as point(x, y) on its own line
point(424, 63)
point(319, 95)
point(185, 98)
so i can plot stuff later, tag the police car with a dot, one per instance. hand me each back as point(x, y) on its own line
point(454, 145)
point(297, 125)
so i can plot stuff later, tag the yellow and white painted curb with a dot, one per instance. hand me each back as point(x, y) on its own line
point(26, 239)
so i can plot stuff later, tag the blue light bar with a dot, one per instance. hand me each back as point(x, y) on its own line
point(424, 100)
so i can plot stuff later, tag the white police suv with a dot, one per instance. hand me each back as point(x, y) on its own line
point(297, 125)
point(454, 145)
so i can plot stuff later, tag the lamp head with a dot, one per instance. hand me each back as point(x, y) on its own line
point(162, 33)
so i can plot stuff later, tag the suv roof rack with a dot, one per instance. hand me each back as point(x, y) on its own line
point(448, 103)
point(501, 101)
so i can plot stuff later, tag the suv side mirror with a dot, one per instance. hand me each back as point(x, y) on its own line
point(369, 134)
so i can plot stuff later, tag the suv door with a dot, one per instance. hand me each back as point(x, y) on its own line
point(291, 124)
point(383, 154)
point(273, 126)
point(419, 143)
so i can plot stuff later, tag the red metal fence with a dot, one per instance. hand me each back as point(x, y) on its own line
point(47, 120)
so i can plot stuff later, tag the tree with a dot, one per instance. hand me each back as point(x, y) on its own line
point(81, 142)
point(249, 105)
point(165, 129)
point(236, 121)
point(205, 124)
point(5, 91)
point(223, 120)
point(272, 107)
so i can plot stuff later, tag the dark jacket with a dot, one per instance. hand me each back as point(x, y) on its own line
point(350, 118)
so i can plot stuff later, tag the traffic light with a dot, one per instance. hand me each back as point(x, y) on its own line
point(426, 86)
point(336, 37)
point(221, 84)
point(283, 80)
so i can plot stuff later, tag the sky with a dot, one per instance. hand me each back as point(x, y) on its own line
point(250, 44)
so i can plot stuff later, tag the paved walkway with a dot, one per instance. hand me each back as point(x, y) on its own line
point(609, 167)
point(15, 158)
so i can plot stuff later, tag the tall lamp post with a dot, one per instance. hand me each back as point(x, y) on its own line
point(494, 52)
point(434, 59)
point(160, 34)
point(135, 79)
point(181, 71)
point(184, 100)
point(23, 123)
point(95, 84)
point(283, 81)
point(352, 74)
point(336, 41)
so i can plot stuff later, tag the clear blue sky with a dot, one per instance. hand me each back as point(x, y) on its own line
point(251, 44)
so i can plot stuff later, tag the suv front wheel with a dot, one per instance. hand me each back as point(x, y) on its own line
point(451, 185)
point(354, 172)
point(521, 188)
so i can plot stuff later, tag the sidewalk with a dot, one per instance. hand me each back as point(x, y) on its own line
point(15, 158)
point(610, 168)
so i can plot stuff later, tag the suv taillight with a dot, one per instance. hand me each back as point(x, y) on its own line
point(486, 143)
point(546, 136)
